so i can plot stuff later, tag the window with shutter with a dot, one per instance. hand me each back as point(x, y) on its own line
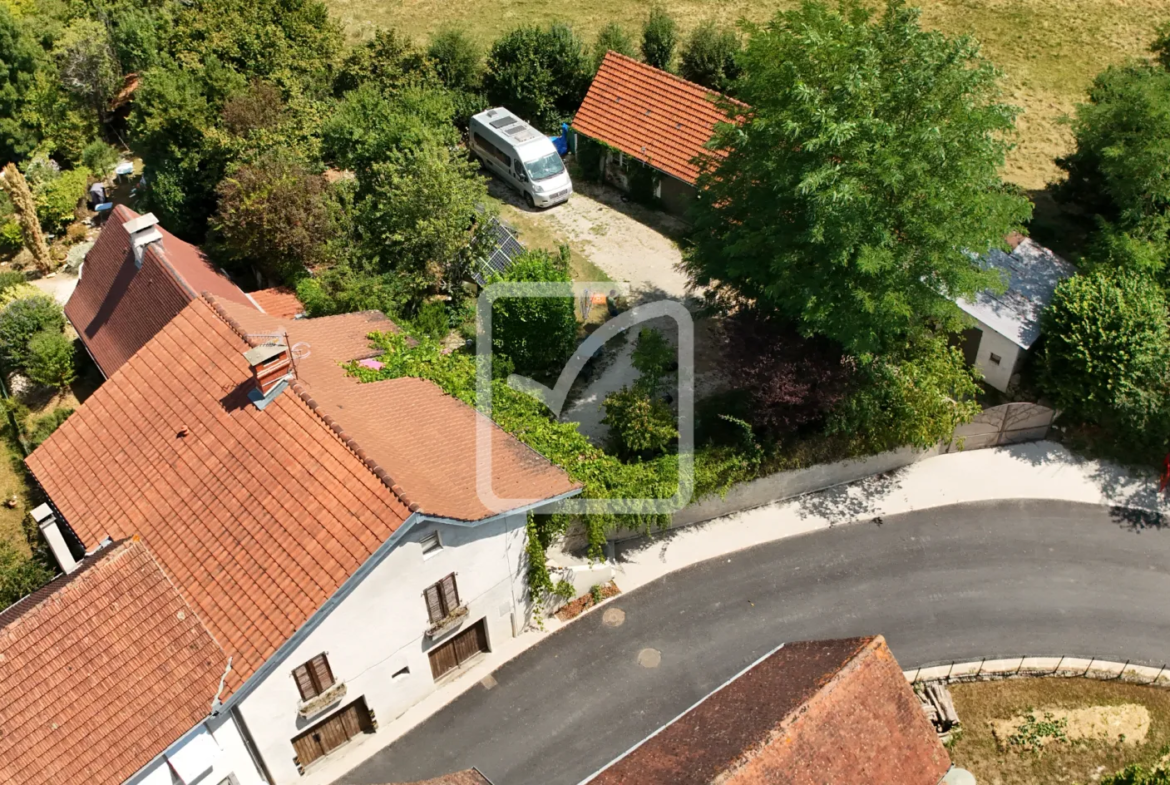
point(314, 677)
point(442, 599)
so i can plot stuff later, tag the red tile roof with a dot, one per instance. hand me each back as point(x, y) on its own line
point(429, 447)
point(649, 114)
point(279, 301)
point(257, 516)
point(466, 777)
point(260, 516)
point(100, 671)
point(117, 308)
point(811, 713)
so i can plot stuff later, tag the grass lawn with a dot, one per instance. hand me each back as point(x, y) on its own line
point(1083, 761)
point(12, 519)
point(1049, 49)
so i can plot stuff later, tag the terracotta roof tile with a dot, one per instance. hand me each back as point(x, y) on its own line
point(221, 506)
point(102, 670)
point(650, 115)
point(280, 302)
point(811, 713)
point(117, 307)
point(467, 777)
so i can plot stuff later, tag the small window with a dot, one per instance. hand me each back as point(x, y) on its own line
point(442, 599)
point(431, 544)
point(519, 167)
point(995, 358)
point(314, 677)
point(401, 673)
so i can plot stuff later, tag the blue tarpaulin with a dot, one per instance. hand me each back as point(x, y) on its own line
point(561, 142)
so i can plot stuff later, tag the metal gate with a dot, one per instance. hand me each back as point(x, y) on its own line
point(458, 650)
point(1010, 423)
point(326, 736)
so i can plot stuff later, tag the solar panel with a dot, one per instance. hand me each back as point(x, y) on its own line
point(505, 249)
point(503, 121)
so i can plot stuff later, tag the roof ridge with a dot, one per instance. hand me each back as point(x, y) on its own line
point(675, 77)
point(314, 407)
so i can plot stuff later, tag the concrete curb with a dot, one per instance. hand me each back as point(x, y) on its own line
point(1039, 667)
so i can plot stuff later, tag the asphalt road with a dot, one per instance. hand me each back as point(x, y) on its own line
point(955, 583)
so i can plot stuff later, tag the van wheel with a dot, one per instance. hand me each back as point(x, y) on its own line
point(528, 200)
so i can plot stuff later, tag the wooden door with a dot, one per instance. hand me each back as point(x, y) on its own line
point(326, 736)
point(458, 650)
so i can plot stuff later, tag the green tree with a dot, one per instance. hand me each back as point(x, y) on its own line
point(916, 397)
point(1161, 45)
point(659, 38)
point(612, 38)
point(57, 199)
point(1120, 169)
point(137, 33)
point(100, 157)
point(542, 74)
point(88, 65)
point(274, 216)
point(23, 319)
point(457, 59)
point(709, 57)
point(866, 174)
point(25, 208)
point(420, 216)
point(641, 425)
point(1106, 355)
point(389, 60)
point(1139, 775)
point(50, 360)
point(19, 62)
point(369, 127)
point(536, 333)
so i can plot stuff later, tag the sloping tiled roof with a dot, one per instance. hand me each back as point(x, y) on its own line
point(429, 446)
point(649, 114)
point(117, 308)
point(811, 713)
point(280, 301)
point(257, 516)
point(100, 671)
point(1032, 273)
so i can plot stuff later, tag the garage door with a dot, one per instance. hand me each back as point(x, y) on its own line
point(324, 737)
point(459, 650)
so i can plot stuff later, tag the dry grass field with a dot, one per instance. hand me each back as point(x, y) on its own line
point(1049, 50)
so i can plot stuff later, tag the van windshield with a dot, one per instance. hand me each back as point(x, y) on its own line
point(546, 167)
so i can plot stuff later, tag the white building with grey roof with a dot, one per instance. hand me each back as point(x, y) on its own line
point(1008, 324)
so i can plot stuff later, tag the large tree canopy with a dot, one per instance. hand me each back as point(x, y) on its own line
point(862, 179)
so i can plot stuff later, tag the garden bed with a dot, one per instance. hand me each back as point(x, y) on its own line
point(1086, 729)
point(583, 603)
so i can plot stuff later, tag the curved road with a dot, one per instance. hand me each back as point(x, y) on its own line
point(952, 583)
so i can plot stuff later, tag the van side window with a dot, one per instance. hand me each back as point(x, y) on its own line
point(519, 167)
point(491, 149)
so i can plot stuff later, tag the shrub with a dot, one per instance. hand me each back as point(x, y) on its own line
point(457, 59)
point(536, 333)
point(1106, 355)
point(51, 360)
point(19, 576)
point(20, 321)
point(539, 73)
point(564, 590)
point(387, 61)
point(1139, 775)
point(100, 157)
point(612, 38)
point(709, 57)
point(11, 238)
point(640, 425)
point(659, 37)
point(58, 199)
point(43, 427)
point(653, 357)
point(260, 106)
point(17, 290)
point(432, 320)
point(11, 278)
point(590, 155)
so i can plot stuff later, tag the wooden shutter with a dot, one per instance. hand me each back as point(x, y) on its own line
point(450, 594)
point(322, 673)
point(434, 604)
point(304, 682)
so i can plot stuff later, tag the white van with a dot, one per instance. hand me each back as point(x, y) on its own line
point(522, 156)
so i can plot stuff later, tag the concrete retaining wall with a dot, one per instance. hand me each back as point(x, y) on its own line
point(785, 485)
point(1026, 667)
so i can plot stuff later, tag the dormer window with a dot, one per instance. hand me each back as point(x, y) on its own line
point(314, 677)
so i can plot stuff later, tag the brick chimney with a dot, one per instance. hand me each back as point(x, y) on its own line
point(271, 367)
point(143, 231)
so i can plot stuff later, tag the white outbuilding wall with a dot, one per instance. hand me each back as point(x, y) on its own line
point(232, 762)
point(996, 374)
point(378, 630)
